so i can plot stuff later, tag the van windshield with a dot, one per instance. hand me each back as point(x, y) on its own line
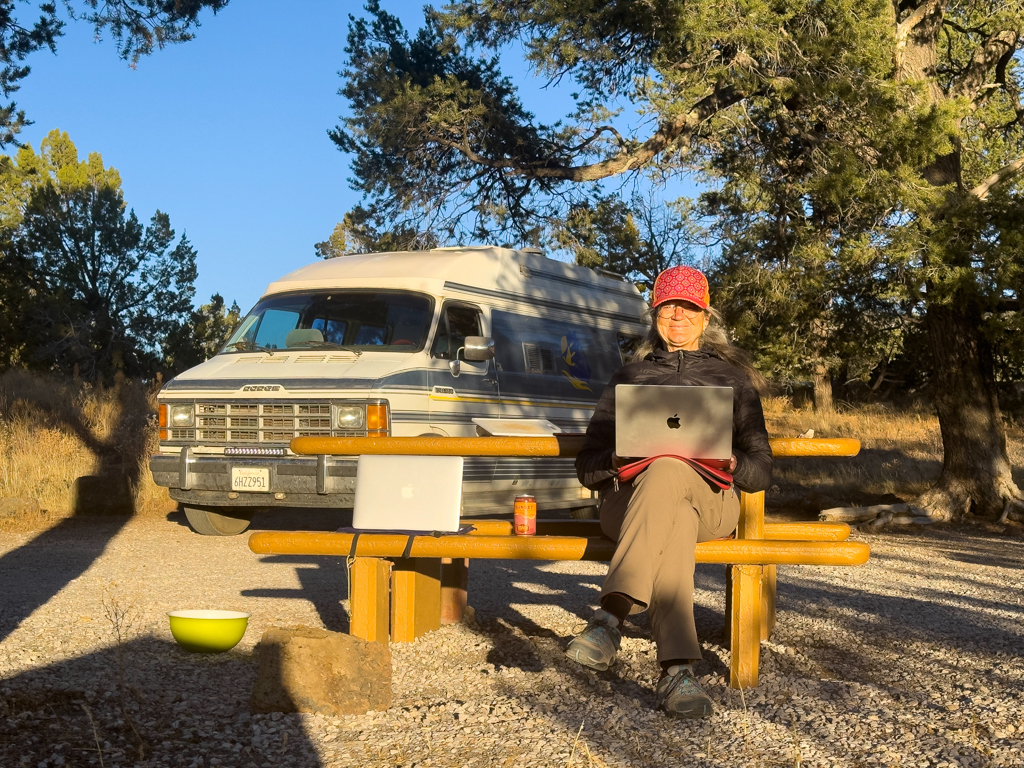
point(357, 320)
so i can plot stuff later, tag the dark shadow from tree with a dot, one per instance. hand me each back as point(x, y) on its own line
point(172, 708)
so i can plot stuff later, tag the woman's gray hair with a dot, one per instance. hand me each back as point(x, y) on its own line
point(715, 338)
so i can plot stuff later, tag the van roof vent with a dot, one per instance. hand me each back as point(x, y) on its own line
point(608, 273)
point(538, 359)
point(533, 251)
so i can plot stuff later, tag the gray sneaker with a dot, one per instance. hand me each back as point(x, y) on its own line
point(596, 646)
point(679, 694)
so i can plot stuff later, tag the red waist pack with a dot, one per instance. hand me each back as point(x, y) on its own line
point(714, 476)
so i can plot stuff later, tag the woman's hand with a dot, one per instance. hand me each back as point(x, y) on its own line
point(617, 462)
point(732, 463)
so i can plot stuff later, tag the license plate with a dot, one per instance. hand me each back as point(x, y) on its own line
point(250, 479)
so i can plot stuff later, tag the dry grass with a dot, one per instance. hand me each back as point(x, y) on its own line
point(62, 439)
point(901, 456)
point(54, 433)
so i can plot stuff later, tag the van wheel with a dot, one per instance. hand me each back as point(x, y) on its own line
point(584, 513)
point(210, 523)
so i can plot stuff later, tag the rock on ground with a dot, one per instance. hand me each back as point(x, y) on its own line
point(302, 669)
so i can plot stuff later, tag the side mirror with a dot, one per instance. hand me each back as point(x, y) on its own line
point(479, 348)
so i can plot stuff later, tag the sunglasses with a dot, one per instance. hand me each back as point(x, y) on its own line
point(671, 309)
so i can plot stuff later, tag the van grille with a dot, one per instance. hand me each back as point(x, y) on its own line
point(263, 423)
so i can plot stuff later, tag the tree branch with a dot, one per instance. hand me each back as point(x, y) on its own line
point(682, 127)
point(1005, 173)
point(989, 55)
point(904, 27)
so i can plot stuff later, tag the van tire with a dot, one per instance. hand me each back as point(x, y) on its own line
point(588, 512)
point(209, 523)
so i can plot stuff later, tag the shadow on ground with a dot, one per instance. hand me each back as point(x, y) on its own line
point(75, 544)
point(145, 703)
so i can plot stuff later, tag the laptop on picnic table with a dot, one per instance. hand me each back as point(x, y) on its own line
point(408, 493)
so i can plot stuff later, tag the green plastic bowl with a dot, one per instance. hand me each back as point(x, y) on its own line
point(208, 631)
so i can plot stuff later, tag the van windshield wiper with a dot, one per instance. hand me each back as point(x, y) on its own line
point(327, 345)
point(251, 346)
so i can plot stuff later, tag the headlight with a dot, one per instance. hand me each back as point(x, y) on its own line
point(182, 416)
point(349, 417)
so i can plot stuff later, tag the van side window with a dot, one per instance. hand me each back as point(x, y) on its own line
point(628, 345)
point(455, 325)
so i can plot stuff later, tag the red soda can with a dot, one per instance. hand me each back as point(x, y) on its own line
point(525, 515)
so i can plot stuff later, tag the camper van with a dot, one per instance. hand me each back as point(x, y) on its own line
point(450, 341)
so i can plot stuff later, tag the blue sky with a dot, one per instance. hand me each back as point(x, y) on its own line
point(226, 133)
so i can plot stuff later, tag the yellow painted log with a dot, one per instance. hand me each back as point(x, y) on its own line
point(732, 551)
point(566, 446)
point(555, 445)
point(369, 612)
point(415, 598)
point(789, 447)
point(745, 629)
point(807, 531)
point(772, 531)
point(751, 522)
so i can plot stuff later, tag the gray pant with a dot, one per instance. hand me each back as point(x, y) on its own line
point(657, 521)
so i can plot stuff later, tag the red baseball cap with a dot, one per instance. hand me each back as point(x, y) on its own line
point(684, 284)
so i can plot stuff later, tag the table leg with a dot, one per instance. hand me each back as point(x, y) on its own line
point(454, 586)
point(415, 597)
point(768, 601)
point(369, 608)
point(745, 624)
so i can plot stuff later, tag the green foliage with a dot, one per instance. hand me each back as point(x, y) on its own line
point(202, 336)
point(637, 239)
point(440, 135)
point(138, 26)
point(104, 290)
point(355, 233)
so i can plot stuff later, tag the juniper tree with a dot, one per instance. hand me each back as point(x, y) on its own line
point(104, 289)
point(441, 136)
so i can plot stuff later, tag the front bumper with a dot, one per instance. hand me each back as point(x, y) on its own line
point(315, 481)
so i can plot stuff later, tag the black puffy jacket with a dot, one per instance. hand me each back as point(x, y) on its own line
point(702, 367)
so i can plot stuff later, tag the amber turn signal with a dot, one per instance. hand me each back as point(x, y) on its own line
point(377, 420)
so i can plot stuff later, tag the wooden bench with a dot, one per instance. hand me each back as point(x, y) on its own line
point(402, 586)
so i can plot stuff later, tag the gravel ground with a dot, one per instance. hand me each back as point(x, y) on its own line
point(911, 660)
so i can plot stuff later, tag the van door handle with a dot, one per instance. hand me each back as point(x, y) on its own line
point(490, 381)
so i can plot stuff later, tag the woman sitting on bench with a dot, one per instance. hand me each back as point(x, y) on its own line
point(660, 515)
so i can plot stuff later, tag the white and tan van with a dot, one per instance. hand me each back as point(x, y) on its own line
point(408, 343)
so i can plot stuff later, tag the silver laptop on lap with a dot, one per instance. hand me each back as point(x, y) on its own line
point(694, 422)
point(408, 493)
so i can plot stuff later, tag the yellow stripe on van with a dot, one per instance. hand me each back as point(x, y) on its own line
point(544, 403)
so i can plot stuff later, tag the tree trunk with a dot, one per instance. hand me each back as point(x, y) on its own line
point(976, 475)
point(822, 391)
